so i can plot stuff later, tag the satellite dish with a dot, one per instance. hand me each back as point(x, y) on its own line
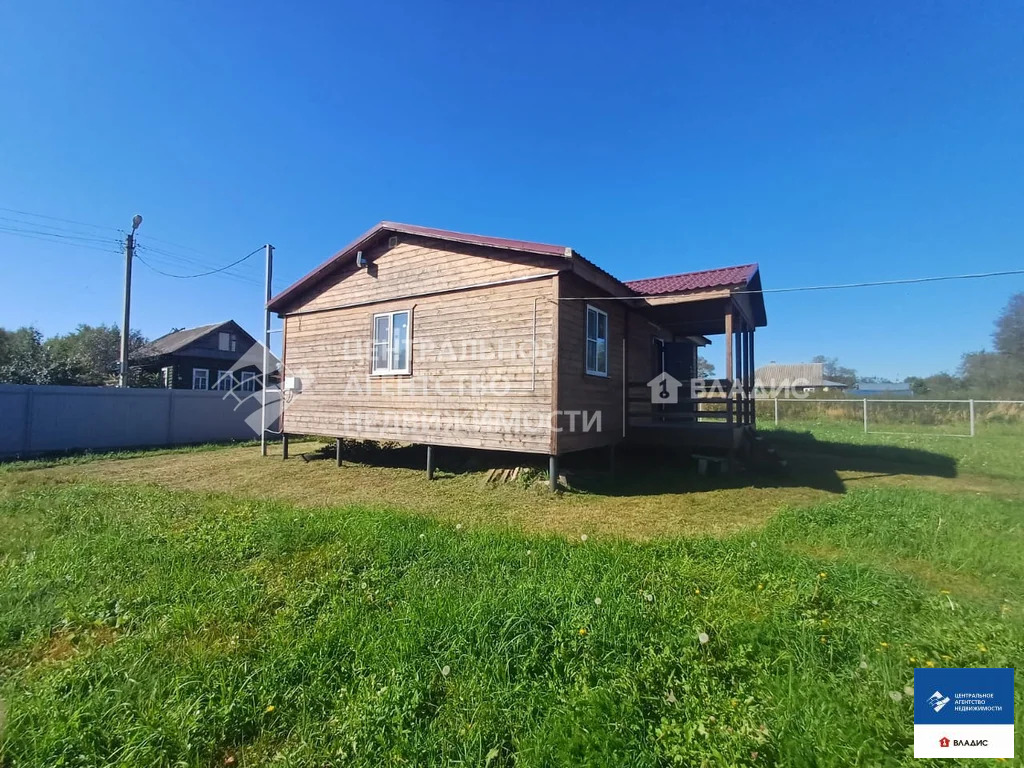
point(136, 221)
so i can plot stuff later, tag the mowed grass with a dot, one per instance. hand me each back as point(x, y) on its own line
point(157, 611)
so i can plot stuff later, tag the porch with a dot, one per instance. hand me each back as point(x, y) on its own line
point(682, 409)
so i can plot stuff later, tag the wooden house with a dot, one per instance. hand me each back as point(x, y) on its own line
point(219, 356)
point(442, 338)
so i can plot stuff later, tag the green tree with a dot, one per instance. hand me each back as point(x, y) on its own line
point(95, 350)
point(705, 370)
point(25, 359)
point(1009, 335)
point(833, 371)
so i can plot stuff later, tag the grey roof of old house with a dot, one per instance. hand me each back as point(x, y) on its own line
point(172, 342)
point(781, 374)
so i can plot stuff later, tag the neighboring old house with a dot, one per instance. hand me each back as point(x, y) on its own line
point(886, 388)
point(449, 339)
point(796, 377)
point(218, 356)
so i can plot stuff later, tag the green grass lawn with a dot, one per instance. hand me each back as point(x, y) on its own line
point(146, 623)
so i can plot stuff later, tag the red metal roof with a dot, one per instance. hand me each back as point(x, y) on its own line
point(725, 277)
point(363, 241)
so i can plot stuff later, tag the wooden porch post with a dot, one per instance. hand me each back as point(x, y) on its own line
point(753, 382)
point(728, 359)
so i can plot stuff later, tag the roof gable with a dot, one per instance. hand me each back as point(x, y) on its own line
point(176, 341)
point(346, 255)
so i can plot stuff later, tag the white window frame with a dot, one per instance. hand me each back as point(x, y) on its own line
point(248, 383)
point(225, 377)
point(597, 340)
point(389, 371)
point(205, 378)
point(167, 376)
point(232, 341)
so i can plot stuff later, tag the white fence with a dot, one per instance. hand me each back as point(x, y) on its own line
point(43, 419)
point(905, 416)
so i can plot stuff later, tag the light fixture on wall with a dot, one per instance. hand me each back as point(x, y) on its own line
point(360, 260)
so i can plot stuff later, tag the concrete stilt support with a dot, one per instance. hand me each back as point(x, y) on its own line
point(337, 450)
point(430, 462)
point(284, 446)
point(553, 472)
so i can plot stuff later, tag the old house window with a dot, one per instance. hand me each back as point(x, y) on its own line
point(248, 381)
point(167, 376)
point(225, 380)
point(597, 342)
point(227, 342)
point(391, 342)
point(200, 378)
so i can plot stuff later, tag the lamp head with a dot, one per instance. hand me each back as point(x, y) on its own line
point(136, 221)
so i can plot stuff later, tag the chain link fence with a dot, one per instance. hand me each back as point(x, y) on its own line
point(948, 418)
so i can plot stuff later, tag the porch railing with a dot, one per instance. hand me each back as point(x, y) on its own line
point(733, 407)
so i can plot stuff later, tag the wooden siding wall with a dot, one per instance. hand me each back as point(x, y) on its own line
point(579, 391)
point(419, 265)
point(475, 380)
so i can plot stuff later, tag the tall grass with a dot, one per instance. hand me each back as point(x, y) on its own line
point(147, 627)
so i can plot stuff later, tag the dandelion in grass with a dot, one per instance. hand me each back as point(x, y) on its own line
point(597, 601)
point(446, 670)
point(896, 696)
point(943, 591)
point(982, 648)
point(883, 645)
point(458, 526)
point(363, 585)
point(908, 690)
point(583, 630)
point(648, 597)
point(696, 590)
point(270, 708)
point(423, 535)
point(760, 587)
point(929, 663)
point(863, 665)
point(529, 552)
point(583, 537)
point(703, 638)
point(823, 575)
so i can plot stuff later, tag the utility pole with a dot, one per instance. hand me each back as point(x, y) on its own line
point(268, 251)
point(129, 255)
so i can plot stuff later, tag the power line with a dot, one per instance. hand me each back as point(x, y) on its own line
point(200, 274)
point(20, 233)
point(902, 281)
point(57, 218)
point(181, 259)
point(866, 284)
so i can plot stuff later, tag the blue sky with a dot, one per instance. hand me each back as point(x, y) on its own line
point(831, 143)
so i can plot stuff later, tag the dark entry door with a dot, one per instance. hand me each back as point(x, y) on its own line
point(681, 362)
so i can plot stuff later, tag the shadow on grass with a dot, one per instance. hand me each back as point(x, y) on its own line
point(655, 470)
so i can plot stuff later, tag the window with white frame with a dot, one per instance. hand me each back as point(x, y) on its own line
point(225, 380)
point(167, 376)
point(248, 381)
point(227, 342)
point(200, 378)
point(597, 342)
point(391, 342)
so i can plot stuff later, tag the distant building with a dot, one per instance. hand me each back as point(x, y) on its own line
point(869, 388)
point(217, 356)
point(795, 377)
